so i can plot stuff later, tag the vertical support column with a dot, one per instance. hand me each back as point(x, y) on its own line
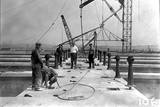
point(127, 26)
point(100, 56)
point(130, 60)
point(104, 58)
point(117, 57)
point(109, 60)
point(56, 60)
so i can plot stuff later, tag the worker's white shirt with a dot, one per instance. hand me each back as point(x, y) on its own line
point(74, 49)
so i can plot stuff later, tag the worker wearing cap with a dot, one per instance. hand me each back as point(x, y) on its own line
point(91, 56)
point(36, 65)
point(73, 54)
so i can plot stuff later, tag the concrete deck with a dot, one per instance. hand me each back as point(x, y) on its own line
point(81, 88)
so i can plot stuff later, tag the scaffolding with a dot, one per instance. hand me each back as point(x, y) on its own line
point(127, 26)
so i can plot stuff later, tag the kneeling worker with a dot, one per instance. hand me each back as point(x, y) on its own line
point(49, 74)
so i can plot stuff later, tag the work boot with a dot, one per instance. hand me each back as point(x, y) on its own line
point(37, 89)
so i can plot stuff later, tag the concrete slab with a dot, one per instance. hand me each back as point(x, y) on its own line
point(82, 88)
point(142, 75)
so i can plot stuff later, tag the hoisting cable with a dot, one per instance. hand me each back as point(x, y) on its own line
point(97, 12)
point(74, 84)
point(30, 48)
point(40, 37)
point(23, 11)
point(17, 7)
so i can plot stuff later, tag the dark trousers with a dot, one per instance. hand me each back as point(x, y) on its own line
point(60, 60)
point(91, 60)
point(73, 59)
point(36, 76)
point(47, 62)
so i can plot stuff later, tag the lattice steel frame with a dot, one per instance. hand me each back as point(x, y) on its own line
point(127, 26)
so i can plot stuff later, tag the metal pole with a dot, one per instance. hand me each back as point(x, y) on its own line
point(117, 57)
point(109, 60)
point(130, 60)
point(104, 58)
point(82, 27)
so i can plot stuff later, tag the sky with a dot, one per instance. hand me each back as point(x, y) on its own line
point(27, 21)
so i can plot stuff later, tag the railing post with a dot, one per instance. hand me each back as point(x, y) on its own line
point(109, 60)
point(104, 58)
point(130, 60)
point(117, 57)
point(56, 60)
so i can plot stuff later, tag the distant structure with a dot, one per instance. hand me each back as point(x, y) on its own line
point(127, 25)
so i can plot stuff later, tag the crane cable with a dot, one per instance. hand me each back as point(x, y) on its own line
point(74, 84)
point(23, 11)
point(17, 7)
point(39, 38)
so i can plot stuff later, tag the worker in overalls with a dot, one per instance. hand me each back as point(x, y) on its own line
point(36, 65)
point(91, 56)
point(49, 75)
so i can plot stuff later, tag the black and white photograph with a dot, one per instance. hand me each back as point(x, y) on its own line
point(80, 53)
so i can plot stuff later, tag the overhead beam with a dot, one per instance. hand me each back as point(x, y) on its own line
point(85, 3)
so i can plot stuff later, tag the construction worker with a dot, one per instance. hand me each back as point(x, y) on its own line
point(47, 56)
point(49, 75)
point(73, 54)
point(60, 53)
point(36, 65)
point(91, 56)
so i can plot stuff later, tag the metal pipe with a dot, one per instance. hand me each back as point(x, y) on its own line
point(117, 57)
point(130, 60)
point(109, 60)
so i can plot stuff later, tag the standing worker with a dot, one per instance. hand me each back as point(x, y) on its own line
point(60, 53)
point(91, 56)
point(36, 65)
point(73, 53)
point(47, 56)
